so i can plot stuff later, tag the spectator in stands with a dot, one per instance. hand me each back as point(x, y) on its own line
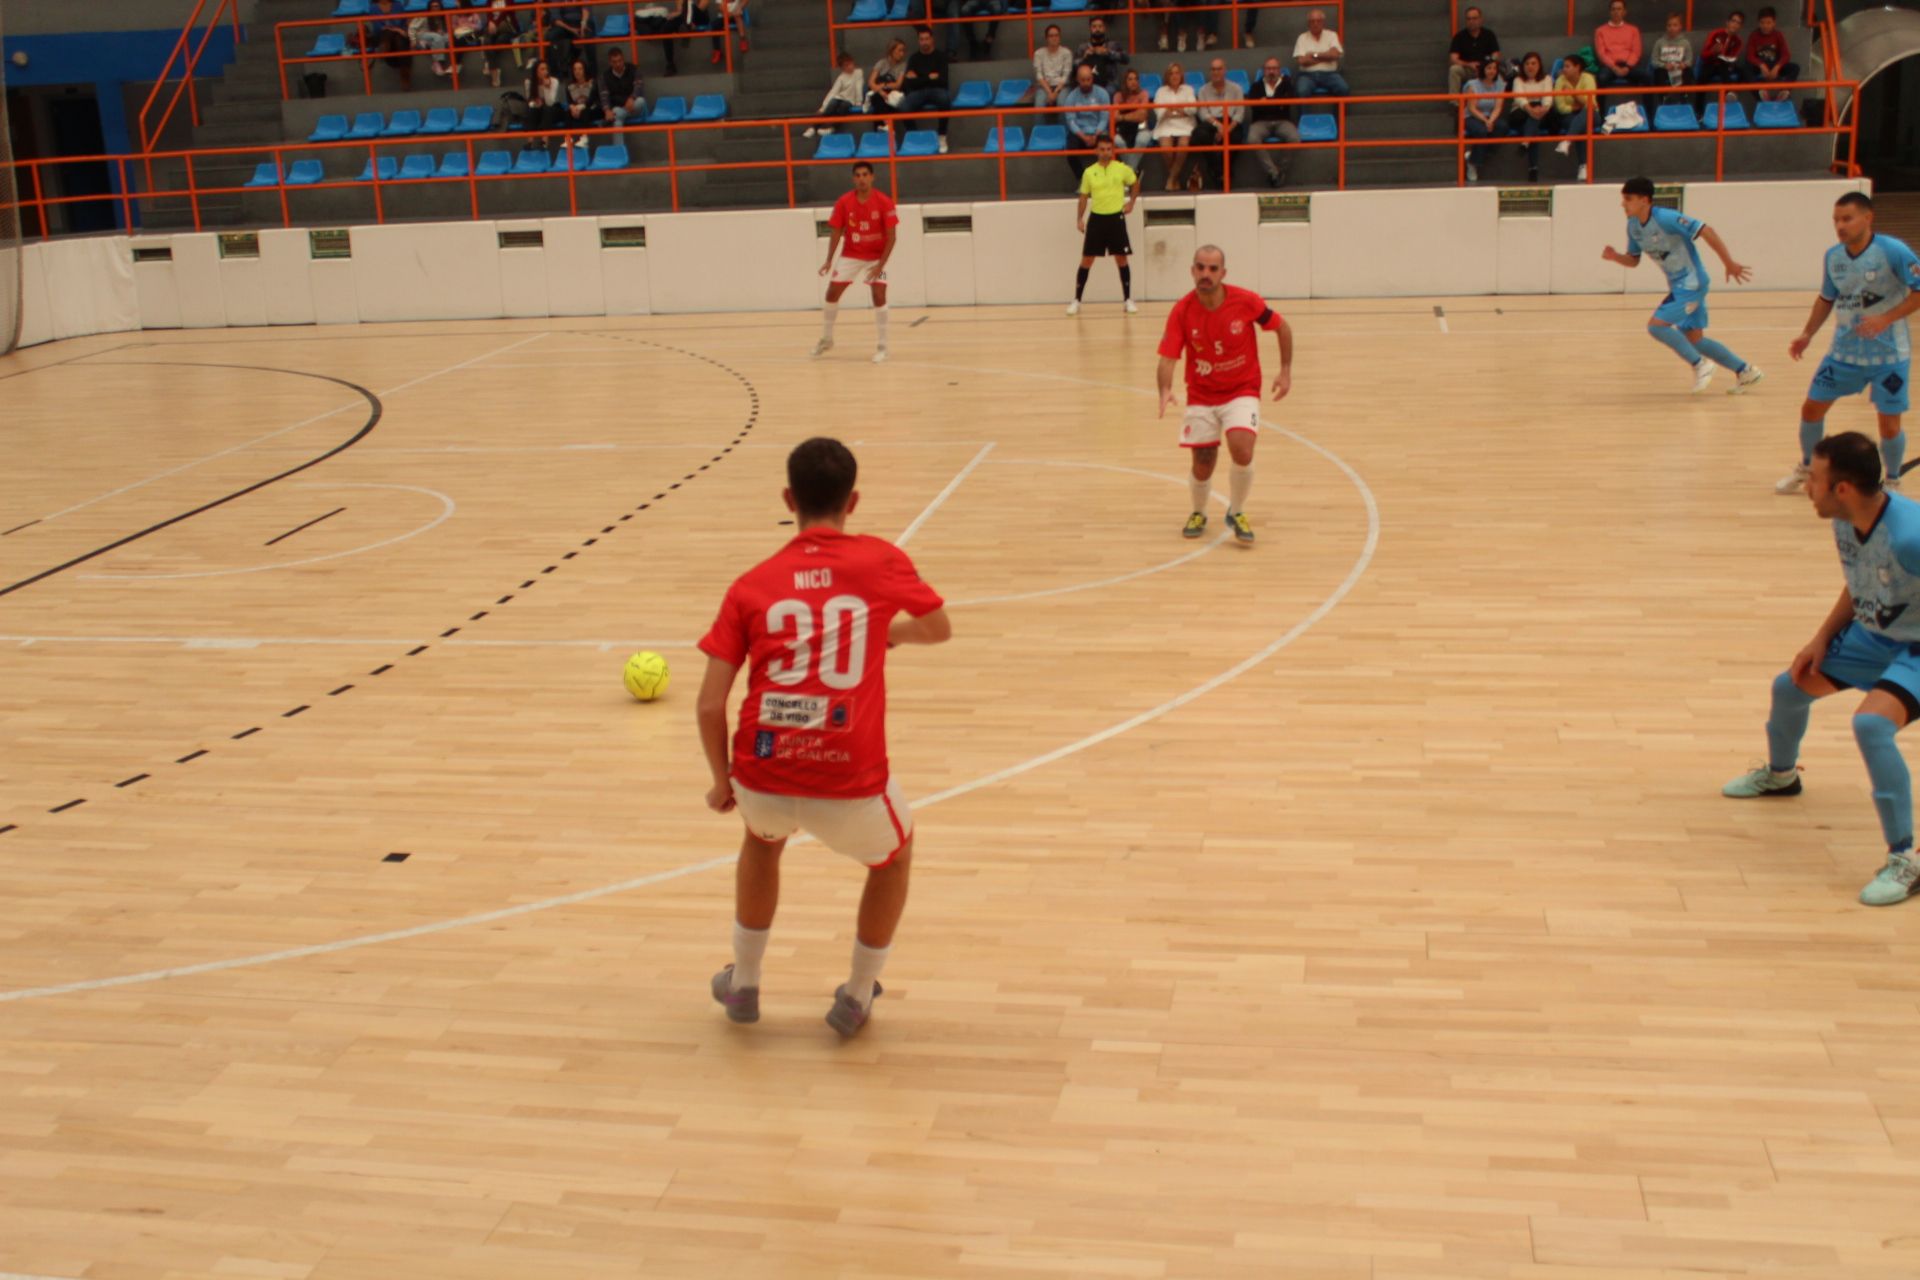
point(980, 34)
point(1486, 116)
point(1103, 53)
point(502, 29)
point(883, 84)
point(1316, 55)
point(927, 84)
point(583, 109)
point(1720, 61)
point(1173, 130)
point(1472, 45)
point(738, 17)
point(1200, 26)
point(429, 31)
point(1270, 118)
point(1223, 117)
point(1573, 107)
point(1085, 128)
point(1768, 54)
point(464, 28)
point(1673, 61)
point(1248, 19)
point(1533, 115)
point(1137, 109)
point(844, 95)
point(1052, 69)
point(622, 96)
point(387, 35)
point(566, 27)
point(544, 95)
point(1622, 55)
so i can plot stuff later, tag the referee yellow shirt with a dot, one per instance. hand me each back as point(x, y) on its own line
point(1105, 186)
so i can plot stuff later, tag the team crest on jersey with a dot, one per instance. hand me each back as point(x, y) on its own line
point(763, 745)
point(1238, 327)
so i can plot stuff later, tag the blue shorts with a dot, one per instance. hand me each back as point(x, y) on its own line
point(1887, 382)
point(1862, 659)
point(1684, 311)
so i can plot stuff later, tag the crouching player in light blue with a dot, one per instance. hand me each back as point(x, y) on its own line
point(1680, 321)
point(1870, 640)
point(1871, 284)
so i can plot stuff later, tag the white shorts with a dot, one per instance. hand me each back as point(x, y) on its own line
point(871, 830)
point(1205, 424)
point(854, 271)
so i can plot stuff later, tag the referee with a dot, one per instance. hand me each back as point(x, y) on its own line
point(1110, 188)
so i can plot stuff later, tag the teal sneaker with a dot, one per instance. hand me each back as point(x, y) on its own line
point(1896, 880)
point(1761, 780)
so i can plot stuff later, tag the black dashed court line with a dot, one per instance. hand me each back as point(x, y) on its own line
point(381, 670)
point(246, 733)
point(503, 599)
point(449, 631)
point(17, 528)
point(416, 651)
point(71, 804)
point(334, 693)
point(191, 756)
point(288, 715)
point(138, 777)
point(476, 617)
point(11, 826)
point(570, 555)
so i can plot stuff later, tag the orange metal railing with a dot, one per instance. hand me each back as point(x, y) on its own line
point(188, 61)
point(1038, 20)
point(41, 204)
point(533, 40)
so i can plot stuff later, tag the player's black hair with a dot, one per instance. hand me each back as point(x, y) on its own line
point(1573, 60)
point(1637, 187)
point(1858, 199)
point(1853, 458)
point(858, 165)
point(1737, 14)
point(924, 31)
point(1767, 12)
point(821, 472)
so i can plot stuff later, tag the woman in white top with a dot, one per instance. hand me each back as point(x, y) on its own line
point(844, 96)
point(1174, 128)
point(1533, 115)
point(886, 77)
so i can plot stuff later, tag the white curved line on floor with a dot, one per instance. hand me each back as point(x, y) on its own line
point(446, 510)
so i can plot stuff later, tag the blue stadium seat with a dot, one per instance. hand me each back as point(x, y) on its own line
point(868, 11)
point(1151, 82)
point(441, 120)
point(1241, 78)
point(353, 8)
point(1675, 117)
point(607, 159)
point(834, 146)
point(329, 46)
point(265, 175)
point(532, 160)
point(1047, 137)
point(1319, 127)
point(416, 6)
point(329, 129)
point(899, 10)
point(403, 125)
point(1069, 6)
point(668, 111)
point(874, 146)
point(973, 95)
point(304, 173)
point(1016, 140)
point(1736, 115)
point(389, 170)
point(920, 142)
point(708, 106)
point(475, 120)
point(454, 165)
point(493, 164)
point(1775, 115)
point(415, 167)
point(368, 124)
point(1011, 91)
point(615, 26)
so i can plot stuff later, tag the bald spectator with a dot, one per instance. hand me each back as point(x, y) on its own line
point(1472, 45)
point(1223, 117)
point(1316, 56)
point(1085, 127)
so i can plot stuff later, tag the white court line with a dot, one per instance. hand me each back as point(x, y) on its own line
point(943, 495)
point(273, 435)
point(259, 642)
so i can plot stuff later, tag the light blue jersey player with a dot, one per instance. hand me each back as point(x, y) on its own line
point(1870, 640)
point(1871, 284)
point(1680, 321)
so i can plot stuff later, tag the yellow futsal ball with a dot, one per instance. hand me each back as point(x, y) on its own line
point(646, 675)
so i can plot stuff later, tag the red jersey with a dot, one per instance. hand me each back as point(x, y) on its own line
point(1223, 353)
point(810, 624)
point(864, 223)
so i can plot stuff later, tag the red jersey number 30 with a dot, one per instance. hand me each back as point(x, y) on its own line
point(838, 660)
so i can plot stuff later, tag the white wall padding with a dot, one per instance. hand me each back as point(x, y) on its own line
point(947, 258)
point(36, 312)
point(1233, 223)
point(523, 274)
point(1440, 242)
point(243, 290)
point(1526, 255)
point(1780, 229)
point(156, 286)
point(762, 261)
point(623, 273)
point(196, 276)
point(427, 271)
point(1286, 261)
point(336, 295)
point(574, 286)
point(1164, 269)
point(1031, 250)
point(284, 258)
point(90, 288)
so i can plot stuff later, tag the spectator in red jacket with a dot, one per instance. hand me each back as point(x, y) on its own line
point(1770, 58)
point(1623, 58)
point(1720, 60)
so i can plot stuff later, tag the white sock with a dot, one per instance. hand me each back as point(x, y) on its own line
point(1239, 481)
point(880, 324)
point(749, 948)
point(1202, 492)
point(867, 964)
point(828, 315)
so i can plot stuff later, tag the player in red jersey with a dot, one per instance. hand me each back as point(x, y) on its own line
point(866, 219)
point(1216, 326)
point(812, 625)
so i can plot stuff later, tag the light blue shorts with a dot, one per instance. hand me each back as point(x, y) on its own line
point(1862, 659)
point(1886, 382)
point(1684, 311)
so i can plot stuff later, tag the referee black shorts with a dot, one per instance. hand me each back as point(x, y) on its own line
point(1106, 233)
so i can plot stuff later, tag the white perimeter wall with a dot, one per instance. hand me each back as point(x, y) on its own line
point(1444, 242)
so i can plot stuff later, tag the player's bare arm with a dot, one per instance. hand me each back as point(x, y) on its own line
point(833, 247)
point(1807, 662)
point(928, 628)
point(1165, 377)
point(1736, 273)
point(1815, 318)
point(1874, 326)
point(886, 251)
point(1628, 261)
point(710, 711)
point(1080, 214)
point(1283, 380)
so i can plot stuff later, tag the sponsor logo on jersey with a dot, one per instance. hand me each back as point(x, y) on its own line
point(794, 710)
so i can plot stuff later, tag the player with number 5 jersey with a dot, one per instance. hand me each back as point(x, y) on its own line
point(812, 625)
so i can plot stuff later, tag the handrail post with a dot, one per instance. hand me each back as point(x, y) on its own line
point(1720, 136)
point(40, 201)
point(1000, 152)
point(473, 183)
point(379, 200)
point(1570, 17)
point(280, 168)
point(786, 143)
point(573, 172)
point(193, 195)
point(633, 38)
point(280, 57)
point(1340, 122)
point(673, 169)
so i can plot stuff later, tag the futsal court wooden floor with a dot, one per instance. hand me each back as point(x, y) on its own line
point(1358, 906)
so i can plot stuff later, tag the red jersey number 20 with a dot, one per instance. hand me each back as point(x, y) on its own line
point(840, 658)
